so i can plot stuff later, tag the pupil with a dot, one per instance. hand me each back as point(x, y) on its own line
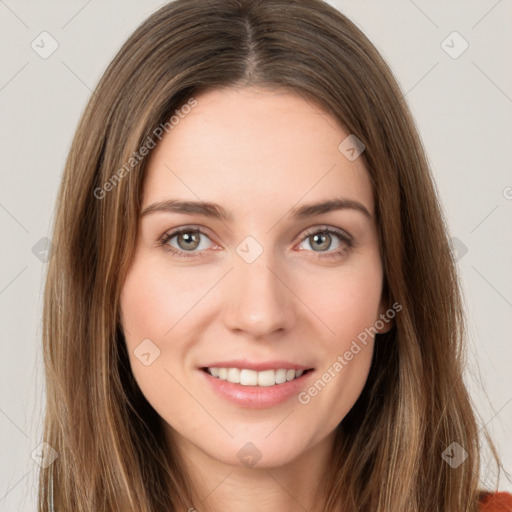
point(319, 237)
point(190, 238)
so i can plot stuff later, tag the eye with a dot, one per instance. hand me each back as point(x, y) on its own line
point(321, 241)
point(185, 240)
point(189, 242)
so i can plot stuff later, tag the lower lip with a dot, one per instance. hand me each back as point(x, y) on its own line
point(257, 397)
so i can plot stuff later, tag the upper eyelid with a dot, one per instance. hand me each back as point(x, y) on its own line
point(325, 227)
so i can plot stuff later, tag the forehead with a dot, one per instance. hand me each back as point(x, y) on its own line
point(253, 150)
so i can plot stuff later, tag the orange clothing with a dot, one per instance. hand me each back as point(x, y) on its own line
point(496, 502)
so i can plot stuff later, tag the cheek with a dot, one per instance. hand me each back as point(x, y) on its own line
point(158, 303)
point(153, 300)
point(347, 303)
point(148, 312)
point(151, 305)
point(346, 300)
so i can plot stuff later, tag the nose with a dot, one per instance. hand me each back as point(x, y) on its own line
point(257, 299)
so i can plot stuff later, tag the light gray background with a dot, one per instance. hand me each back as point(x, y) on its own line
point(462, 107)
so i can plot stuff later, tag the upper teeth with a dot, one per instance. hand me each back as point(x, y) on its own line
point(254, 378)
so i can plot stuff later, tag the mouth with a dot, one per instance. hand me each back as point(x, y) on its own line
point(255, 384)
point(250, 377)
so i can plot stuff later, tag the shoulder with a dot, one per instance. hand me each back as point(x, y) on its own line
point(495, 502)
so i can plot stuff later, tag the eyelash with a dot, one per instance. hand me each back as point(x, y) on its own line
point(344, 238)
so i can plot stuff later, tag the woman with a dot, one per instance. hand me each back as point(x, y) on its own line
point(253, 297)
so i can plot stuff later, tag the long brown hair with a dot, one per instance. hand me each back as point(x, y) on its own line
point(112, 452)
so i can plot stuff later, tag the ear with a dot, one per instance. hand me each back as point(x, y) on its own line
point(386, 316)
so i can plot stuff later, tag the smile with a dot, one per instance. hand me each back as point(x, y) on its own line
point(247, 377)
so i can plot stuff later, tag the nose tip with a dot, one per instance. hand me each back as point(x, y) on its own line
point(257, 301)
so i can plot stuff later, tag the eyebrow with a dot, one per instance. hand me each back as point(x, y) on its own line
point(216, 211)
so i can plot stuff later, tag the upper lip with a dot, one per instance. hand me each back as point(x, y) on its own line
point(258, 366)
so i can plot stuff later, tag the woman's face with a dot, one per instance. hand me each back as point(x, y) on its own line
point(258, 286)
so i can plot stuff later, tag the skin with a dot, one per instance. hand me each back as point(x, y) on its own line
point(258, 153)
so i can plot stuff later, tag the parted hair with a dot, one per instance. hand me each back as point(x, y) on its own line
point(112, 452)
